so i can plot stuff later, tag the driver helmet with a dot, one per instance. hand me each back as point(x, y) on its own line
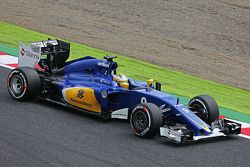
point(122, 80)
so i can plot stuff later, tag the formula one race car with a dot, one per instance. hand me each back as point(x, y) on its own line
point(92, 85)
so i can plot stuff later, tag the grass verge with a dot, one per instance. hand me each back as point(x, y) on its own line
point(172, 81)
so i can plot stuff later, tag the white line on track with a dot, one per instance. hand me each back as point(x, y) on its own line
point(7, 59)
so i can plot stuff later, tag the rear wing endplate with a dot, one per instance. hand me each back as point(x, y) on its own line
point(29, 55)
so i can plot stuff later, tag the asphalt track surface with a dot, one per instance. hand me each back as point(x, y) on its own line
point(41, 134)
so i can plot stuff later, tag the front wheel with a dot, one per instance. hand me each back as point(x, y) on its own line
point(146, 120)
point(205, 107)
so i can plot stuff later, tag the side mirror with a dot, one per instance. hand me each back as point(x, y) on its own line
point(158, 86)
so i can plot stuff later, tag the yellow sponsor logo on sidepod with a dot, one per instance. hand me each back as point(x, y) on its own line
point(83, 98)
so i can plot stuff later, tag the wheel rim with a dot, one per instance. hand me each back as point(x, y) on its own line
point(140, 120)
point(16, 84)
point(202, 112)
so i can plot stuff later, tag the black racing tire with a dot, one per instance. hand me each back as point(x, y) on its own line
point(206, 107)
point(23, 83)
point(146, 120)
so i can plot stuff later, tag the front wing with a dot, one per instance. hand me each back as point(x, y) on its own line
point(220, 127)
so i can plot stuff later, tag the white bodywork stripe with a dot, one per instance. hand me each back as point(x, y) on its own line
point(215, 133)
point(120, 114)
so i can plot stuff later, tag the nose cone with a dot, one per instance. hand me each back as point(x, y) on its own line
point(193, 121)
point(205, 129)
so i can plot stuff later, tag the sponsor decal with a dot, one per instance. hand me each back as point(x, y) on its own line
point(22, 51)
point(81, 97)
point(185, 110)
point(80, 102)
point(28, 53)
point(103, 64)
point(80, 93)
point(138, 107)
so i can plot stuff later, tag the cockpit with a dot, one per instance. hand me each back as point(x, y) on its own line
point(122, 80)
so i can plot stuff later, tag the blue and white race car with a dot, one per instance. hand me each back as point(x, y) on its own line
point(92, 85)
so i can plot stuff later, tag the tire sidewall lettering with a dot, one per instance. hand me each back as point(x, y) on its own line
point(145, 110)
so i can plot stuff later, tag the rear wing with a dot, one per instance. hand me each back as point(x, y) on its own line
point(30, 55)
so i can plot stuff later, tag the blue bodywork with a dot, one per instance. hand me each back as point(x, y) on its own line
point(97, 74)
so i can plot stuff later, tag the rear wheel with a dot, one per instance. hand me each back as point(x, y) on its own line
point(146, 120)
point(23, 83)
point(205, 107)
